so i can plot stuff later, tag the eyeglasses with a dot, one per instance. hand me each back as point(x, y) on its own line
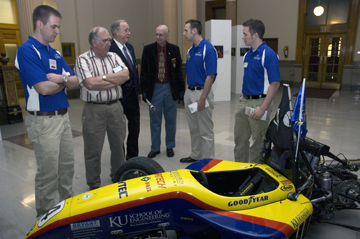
point(159, 34)
point(106, 40)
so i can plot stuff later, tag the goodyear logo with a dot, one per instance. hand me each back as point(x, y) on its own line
point(248, 201)
point(286, 187)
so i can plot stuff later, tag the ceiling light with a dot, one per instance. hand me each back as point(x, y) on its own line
point(318, 10)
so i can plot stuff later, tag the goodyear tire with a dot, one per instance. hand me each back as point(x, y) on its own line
point(137, 167)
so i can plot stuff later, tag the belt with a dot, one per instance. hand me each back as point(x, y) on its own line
point(254, 97)
point(195, 88)
point(103, 103)
point(162, 82)
point(48, 113)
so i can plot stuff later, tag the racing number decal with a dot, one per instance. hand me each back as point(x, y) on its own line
point(51, 213)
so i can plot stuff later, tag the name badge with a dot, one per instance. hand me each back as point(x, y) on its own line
point(52, 64)
point(245, 64)
point(117, 69)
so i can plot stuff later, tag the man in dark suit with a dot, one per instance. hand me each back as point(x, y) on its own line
point(163, 85)
point(131, 89)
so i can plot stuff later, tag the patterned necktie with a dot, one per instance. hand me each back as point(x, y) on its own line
point(161, 74)
point(127, 56)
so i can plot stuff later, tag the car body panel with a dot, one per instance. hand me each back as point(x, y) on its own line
point(179, 199)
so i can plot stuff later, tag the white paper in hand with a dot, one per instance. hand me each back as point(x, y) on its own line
point(193, 107)
point(250, 112)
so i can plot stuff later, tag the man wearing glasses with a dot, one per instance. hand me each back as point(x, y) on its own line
point(120, 31)
point(101, 74)
point(162, 83)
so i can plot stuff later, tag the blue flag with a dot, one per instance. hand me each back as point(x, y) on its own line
point(298, 119)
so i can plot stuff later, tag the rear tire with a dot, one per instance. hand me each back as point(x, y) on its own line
point(137, 167)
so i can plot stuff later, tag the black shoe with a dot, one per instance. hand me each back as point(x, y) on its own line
point(170, 152)
point(187, 160)
point(93, 188)
point(153, 154)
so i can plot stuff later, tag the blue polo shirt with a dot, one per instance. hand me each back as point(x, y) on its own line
point(201, 61)
point(261, 67)
point(33, 61)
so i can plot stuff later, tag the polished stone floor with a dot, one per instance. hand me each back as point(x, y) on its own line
point(334, 121)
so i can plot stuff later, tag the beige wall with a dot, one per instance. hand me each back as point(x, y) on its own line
point(279, 17)
point(79, 16)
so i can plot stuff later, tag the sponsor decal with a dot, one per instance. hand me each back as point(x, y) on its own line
point(286, 182)
point(300, 218)
point(148, 188)
point(122, 189)
point(286, 188)
point(273, 172)
point(177, 179)
point(160, 180)
point(145, 179)
point(248, 201)
point(244, 167)
point(84, 225)
point(137, 219)
point(51, 213)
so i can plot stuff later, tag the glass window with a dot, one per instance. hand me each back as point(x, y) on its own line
point(338, 11)
point(335, 12)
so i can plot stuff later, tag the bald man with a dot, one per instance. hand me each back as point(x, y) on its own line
point(162, 83)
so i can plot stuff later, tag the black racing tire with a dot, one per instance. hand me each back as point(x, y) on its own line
point(137, 167)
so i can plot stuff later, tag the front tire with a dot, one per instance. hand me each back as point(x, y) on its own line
point(137, 167)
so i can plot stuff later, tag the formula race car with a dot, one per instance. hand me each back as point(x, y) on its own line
point(211, 198)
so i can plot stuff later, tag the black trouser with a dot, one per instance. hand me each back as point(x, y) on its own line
point(132, 113)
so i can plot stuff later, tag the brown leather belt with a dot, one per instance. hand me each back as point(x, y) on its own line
point(254, 97)
point(48, 113)
point(103, 103)
point(195, 88)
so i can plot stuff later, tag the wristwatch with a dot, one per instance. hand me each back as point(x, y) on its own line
point(104, 77)
point(65, 80)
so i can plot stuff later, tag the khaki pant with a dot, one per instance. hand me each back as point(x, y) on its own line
point(246, 127)
point(201, 126)
point(54, 152)
point(97, 120)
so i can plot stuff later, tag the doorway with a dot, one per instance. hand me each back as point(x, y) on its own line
point(324, 60)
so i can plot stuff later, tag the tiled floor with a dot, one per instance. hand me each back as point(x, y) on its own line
point(333, 121)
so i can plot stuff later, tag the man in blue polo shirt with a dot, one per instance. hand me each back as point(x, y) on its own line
point(201, 71)
point(44, 76)
point(260, 84)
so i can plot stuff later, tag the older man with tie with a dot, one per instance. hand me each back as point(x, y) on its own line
point(131, 89)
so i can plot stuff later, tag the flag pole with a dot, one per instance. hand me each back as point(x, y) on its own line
point(300, 118)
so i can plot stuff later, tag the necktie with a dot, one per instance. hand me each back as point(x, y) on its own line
point(161, 74)
point(127, 56)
